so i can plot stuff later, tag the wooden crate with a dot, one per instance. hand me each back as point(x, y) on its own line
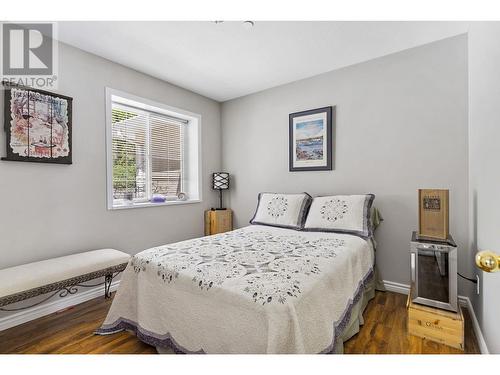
point(433, 214)
point(444, 327)
point(218, 221)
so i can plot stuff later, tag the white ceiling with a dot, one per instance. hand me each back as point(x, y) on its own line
point(224, 61)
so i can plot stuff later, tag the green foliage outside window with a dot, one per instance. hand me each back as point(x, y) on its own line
point(124, 159)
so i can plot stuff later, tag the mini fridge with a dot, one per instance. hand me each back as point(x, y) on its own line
point(433, 268)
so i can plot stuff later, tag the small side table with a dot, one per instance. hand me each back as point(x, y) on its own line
point(444, 327)
point(218, 221)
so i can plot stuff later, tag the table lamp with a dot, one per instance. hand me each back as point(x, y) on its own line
point(220, 181)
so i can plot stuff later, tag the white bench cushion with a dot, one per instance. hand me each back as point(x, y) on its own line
point(33, 275)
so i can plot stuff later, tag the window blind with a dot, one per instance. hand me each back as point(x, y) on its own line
point(147, 153)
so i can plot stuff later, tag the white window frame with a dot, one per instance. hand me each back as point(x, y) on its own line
point(191, 169)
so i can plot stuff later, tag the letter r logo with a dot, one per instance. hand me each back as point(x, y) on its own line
point(27, 49)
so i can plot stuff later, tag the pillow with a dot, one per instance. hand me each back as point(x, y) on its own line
point(342, 214)
point(282, 210)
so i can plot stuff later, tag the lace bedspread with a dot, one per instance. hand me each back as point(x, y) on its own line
point(254, 290)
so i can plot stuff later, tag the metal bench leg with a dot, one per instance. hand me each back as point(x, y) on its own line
point(107, 285)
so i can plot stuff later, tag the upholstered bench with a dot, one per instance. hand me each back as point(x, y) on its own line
point(60, 275)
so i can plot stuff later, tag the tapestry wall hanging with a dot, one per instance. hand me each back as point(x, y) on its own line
point(37, 125)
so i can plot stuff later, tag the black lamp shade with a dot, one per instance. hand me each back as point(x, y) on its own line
point(220, 181)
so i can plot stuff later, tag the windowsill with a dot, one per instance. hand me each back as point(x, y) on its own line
point(150, 204)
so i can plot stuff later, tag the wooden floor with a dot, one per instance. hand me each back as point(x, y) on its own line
point(71, 331)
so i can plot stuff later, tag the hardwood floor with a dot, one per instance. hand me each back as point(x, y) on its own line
point(384, 331)
point(71, 331)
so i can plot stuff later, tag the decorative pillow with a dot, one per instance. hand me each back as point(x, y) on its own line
point(282, 210)
point(342, 214)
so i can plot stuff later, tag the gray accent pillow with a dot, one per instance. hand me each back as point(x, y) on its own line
point(282, 210)
point(342, 214)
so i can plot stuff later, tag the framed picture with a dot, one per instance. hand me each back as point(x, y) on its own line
point(310, 140)
point(37, 125)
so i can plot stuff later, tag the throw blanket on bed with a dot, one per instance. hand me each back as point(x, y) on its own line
point(253, 290)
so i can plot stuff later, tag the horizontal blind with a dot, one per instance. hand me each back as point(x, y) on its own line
point(147, 153)
point(129, 131)
point(166, 155)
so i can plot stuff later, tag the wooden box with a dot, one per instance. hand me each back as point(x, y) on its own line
point(433, 218)
point(444, 327)
point(218, 221)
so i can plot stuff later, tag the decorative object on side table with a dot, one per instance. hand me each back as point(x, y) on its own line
point(38, 125)
point(433, 214)
point(220, 181)
point(219, 220)
point(310, 140)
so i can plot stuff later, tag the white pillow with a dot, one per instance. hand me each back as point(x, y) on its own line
point(282, 210)
point(342, 214)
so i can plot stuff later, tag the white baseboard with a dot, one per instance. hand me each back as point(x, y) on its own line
point(36, 312)
point(391, 286)
point(464, 301)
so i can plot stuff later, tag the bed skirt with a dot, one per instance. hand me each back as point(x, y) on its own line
point(353, 320)
point(356, 317)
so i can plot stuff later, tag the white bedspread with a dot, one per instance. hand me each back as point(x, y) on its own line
point(254, 290)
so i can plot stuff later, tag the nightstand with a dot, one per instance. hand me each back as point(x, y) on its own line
point(218, 221)
point(431, 323)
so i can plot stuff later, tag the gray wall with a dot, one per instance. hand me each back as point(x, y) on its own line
point(52, 210)
point(401, 125)
point(484, 60)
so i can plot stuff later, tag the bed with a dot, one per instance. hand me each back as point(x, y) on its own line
point(259, 289)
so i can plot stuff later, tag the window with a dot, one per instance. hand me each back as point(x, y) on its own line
point(152, 152)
